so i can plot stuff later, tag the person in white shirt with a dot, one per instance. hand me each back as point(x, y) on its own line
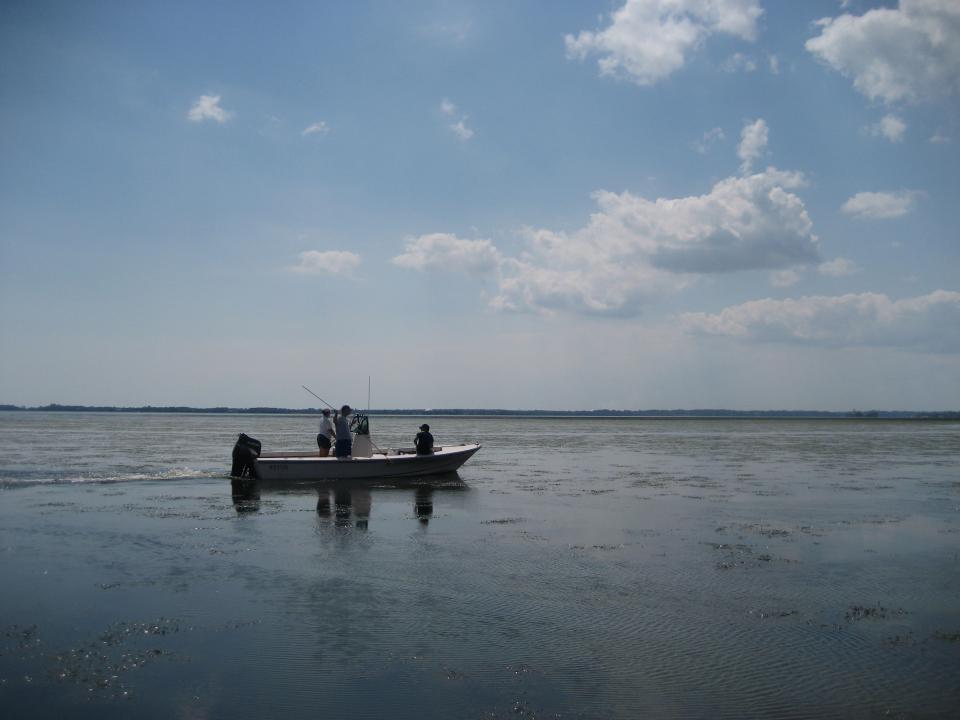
point(327, 435)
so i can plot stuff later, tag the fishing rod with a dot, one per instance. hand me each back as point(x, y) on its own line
point(319, 398)
point(334, 409)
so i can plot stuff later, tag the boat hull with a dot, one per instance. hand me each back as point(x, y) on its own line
point(303, 466)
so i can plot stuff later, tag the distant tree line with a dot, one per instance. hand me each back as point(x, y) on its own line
point(500, 412)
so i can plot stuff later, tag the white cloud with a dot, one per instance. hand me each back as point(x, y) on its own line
point(908, 53)
point(928, 323)
point(458, 128)
point(648, 40)
point(890, 127)
point(738, 62)
point(709, 138)
point(444, 251)
point(939, 139)
point(753, 143)
point(327, 262)
point(784, 278)
point(838, 267)
point(317, 128)
point(634, 249)
point(461, 130)
point(880, 205)
point(207, 107)
point(773, 62)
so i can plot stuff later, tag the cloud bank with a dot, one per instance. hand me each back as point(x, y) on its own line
point(648, 40)
point(634, 249)
point(909, 53)
point(927, 323)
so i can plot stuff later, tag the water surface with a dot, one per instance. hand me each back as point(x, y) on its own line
point(575, 567)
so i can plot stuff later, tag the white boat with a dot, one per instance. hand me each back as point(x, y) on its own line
point(389, 464)
point(367, 462)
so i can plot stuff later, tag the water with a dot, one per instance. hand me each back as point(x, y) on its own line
point(575, 568)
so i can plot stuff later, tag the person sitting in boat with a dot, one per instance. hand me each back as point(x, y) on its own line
point(424, 441)
point(327, 435)
point(341, 421)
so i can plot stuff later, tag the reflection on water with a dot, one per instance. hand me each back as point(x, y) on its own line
point(349, 503)
point(246, 495)
point(423, 503)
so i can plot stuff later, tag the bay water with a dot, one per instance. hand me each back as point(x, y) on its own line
point(574, 568)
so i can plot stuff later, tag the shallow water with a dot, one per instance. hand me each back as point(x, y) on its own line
point(574, 568)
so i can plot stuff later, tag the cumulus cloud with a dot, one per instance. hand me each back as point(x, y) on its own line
point(838, 267)
point(880, 205)
point(447, 107)
point(909, 53)
point(929, 322)
point(326, 262)
point(601, 287)
point(634, 249)
point(648, 40)
point(753, 143)
point(890, 127)
point(207, 107)
point(317, 128)
point(773, 62)
point(445, 251)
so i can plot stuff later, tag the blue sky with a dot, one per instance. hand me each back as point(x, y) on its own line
point(638, 204)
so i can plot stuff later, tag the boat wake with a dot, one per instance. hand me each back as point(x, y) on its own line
point(14, 478)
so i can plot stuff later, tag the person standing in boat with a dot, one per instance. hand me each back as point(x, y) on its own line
point(341, 421)
point(327, 435)
point(424, 441)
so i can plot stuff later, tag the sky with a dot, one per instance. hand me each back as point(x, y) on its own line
point(625, 204)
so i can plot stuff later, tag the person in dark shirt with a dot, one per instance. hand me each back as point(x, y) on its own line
point(424, 441)
point(341, 422)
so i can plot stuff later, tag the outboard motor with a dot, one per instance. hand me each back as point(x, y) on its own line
point(245, 452)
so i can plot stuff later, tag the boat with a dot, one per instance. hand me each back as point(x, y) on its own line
point(368, 462)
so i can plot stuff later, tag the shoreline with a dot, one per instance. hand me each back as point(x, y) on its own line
point(707, 414)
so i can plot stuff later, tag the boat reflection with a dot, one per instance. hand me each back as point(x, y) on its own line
point(246, 495)
point(344, 503)
point(423, 503)
point(351, 505)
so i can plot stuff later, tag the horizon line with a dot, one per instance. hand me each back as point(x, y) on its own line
point(463, 411)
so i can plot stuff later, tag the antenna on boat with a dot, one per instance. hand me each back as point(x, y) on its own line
point(368, 394)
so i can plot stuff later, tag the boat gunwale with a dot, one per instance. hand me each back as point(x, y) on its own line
point(447, 451)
